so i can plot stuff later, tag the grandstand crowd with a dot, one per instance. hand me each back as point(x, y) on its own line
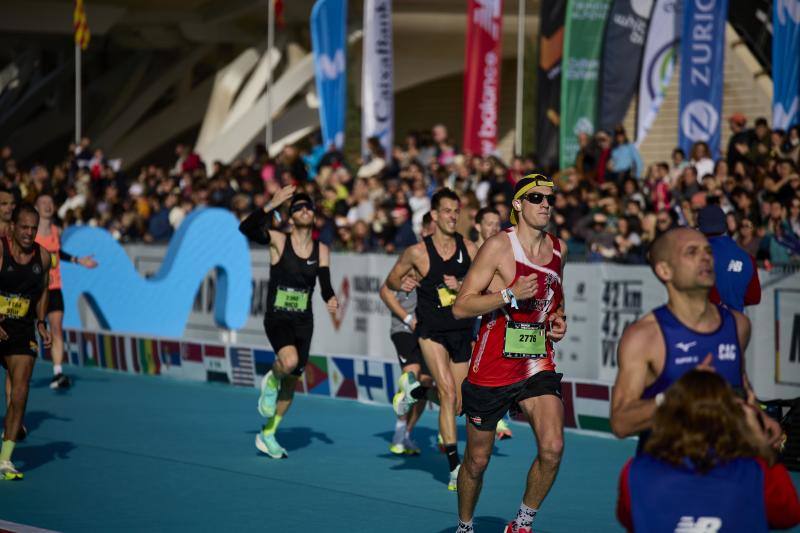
point(608, 207)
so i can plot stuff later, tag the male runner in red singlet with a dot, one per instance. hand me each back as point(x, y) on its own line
point(49, 238)
point(516, 284)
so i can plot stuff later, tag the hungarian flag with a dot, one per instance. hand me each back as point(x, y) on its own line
point(81, 26)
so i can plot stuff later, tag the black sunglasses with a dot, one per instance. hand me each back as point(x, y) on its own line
point(537, 197)
point(301, 205)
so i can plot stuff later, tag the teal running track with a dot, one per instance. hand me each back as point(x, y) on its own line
point(124, 452)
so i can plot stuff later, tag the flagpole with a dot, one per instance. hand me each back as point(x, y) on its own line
point(77, 94)
point(270, 45)
point(520, 75)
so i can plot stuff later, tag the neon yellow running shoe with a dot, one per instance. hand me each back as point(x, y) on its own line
point(9, 473)
point(397, 448)
point(411, 447)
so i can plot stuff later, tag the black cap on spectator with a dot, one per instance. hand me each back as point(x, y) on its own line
point(711, 220)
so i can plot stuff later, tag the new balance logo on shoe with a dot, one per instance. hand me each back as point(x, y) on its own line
point(703, 524)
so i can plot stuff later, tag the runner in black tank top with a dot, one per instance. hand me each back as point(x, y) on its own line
point(23, 301)
point(297, 262)
point(440, 262)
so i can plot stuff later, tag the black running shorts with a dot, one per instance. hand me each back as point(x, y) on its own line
point(24, 344)
point(55, 301)
point(458, 343)
point(484, 406)
point(297, 333)
point(408, 351)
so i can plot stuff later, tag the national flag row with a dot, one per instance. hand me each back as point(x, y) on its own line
point(585, 403)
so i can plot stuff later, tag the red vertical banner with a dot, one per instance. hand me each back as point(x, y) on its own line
point(482, 75)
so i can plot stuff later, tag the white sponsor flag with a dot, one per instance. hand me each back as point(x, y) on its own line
point(377, 80)
point(660, 52)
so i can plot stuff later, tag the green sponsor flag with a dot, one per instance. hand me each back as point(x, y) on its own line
point(583, 46)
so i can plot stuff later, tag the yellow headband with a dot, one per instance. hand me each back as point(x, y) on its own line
point(538, 179)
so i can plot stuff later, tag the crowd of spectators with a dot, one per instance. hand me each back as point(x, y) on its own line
point(608, 205)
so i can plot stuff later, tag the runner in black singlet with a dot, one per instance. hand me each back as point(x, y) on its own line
point(297, 261)
point(23, 303)
point(440, 261)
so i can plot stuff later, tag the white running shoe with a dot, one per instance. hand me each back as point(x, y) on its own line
point(8, 472)
point(453, 484)
point(411, 447)
point(402, 400)
point(269, 446)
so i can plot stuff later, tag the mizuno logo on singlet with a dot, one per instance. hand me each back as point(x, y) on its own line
point(460, 257)
point(685, 346)
point(310, 262)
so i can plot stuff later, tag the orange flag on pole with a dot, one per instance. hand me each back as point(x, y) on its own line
point(80, 25)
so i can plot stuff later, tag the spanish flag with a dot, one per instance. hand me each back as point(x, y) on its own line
point(81, 26)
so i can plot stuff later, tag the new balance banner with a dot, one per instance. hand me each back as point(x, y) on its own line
point(377, 87)
point(702, 73)
point(658, 63)
point(785, 63)
point(583, 41)
point(482, 76)
point(625, 33)
point(551, 45)
point(329, 42)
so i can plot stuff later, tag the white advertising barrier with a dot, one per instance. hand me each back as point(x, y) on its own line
point(601, 300)
point(773, 361)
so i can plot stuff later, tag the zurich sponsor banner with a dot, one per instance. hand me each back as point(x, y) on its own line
point(482, 76)
point(785, 63)
point(658, 63)
point(702, 73)
point(551, 46)
point(377, 85)
point(583, 41)
point(624, 38)
point(329, 43)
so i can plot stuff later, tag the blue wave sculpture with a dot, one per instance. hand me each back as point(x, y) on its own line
point(124, 301)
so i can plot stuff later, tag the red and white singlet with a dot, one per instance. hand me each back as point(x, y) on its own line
point(488, 367)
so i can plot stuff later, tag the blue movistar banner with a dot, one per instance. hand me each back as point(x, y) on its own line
point(329, 41)
point(702, 73)
point(785, 63)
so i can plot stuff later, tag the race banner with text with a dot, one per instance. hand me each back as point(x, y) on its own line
point(551, 45)
point(785, 63)
point(624, 38)
point(482, 76)
point(329, 43)
point(702, 73)
point(658, 63)
point(583, 40)
point(377, 81)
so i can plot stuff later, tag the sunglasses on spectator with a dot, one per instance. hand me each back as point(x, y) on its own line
point(537, 197)
point(747, 225)
point(303, 205)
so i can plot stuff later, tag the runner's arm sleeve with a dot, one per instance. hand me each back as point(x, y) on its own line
point(64, 256)
point(324, 275)
point(256, 226)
